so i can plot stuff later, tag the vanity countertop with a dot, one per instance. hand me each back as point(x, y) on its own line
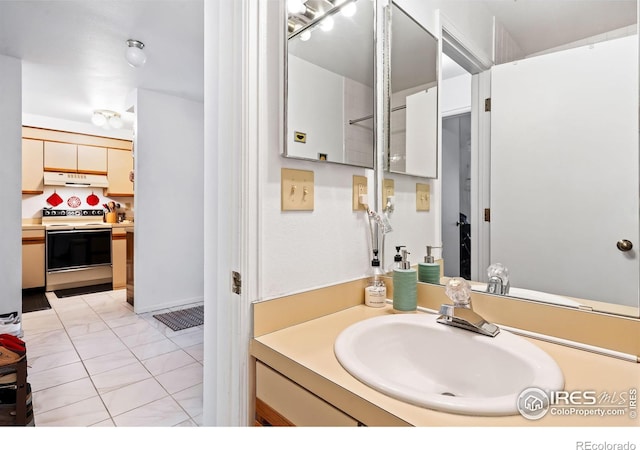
point(304, 353)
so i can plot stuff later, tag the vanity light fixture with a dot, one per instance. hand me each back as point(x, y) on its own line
point(349, 10)
point(327, 23)
point(106, 118)
point(296, 6)
point(134, 54)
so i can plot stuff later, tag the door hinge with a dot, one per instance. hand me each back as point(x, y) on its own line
point(237, 282)
point(487, 214)
point(487, 104)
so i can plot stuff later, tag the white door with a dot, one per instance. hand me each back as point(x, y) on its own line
point(564, 171)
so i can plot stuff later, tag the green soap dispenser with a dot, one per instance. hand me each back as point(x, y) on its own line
point(429, 270)
point(405, 287)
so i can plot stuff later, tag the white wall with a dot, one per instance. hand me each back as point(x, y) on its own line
point(168, 201)
point(10, 185)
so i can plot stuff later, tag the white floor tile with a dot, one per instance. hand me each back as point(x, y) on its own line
point(197, 351)
point(82, 414)
point(63, 395)
point(144, 337)
point(168, 362)
point(189, 339)
point(182, 378)
point(190, 399)
point(109, 362)
point(86, 328)
point(97, 344)
point(40, 322)
point(47, 343)
point(133, 396)
point(120, 377)
point(57, 376)
point(152, 349)
point(51, 360)
point(161, 413)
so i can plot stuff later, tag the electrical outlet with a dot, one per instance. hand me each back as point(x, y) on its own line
point(388, 190)
point(423, 197)
point(297, 190)
point(359, 188)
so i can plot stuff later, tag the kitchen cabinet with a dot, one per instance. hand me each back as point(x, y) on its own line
point(119, 257)
point(60, 157)
point(130, 294)
point(92, 160)
point(281, 402)
point(33, 265)
point(119, 164)
point(32, 166)
point(66, 157)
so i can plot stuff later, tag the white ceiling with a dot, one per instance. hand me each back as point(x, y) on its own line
point(73, 52)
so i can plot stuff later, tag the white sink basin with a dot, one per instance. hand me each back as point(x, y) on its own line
point(413, 358)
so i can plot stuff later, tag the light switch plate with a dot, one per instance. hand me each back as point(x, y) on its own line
point(297, 190)
point(388, 190)
point(423, 197)
point(359, 187)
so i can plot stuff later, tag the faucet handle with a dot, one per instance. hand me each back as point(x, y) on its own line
point(500, 271)
point(459, 291)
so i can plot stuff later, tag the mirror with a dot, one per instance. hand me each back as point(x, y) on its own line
point(537, 228)
point(413, 123)
point(329, 82)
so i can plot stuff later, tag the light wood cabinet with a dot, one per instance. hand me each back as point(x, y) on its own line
point(92, 160)
point(281, 402)
point(119, 164)
point(33, 254)
point(119, 257)
point(32, 166)
point(60, 157)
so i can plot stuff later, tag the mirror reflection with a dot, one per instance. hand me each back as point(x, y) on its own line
point(561, 194)
point(413, 136)
point(330, 82)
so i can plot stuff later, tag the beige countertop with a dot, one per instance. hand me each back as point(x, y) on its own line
point(304, 353)
point(39, 226)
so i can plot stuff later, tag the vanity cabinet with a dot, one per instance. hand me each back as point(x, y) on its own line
point(119, 164)
point(119, 257)
point(281, 402)
point(32, 166)
point(33, 255)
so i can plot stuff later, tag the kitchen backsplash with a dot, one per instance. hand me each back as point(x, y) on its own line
point(32, 205)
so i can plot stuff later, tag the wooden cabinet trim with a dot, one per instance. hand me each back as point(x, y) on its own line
point(266, 415)
point(75, 138)
point(119, 237)
point(28, 240)
point(33, 192)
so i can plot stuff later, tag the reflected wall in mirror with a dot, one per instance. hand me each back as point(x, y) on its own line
point(413, 127)
point(563, 154)
point(330, 98)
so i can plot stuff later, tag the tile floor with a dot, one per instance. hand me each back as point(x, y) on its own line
point(93, 362)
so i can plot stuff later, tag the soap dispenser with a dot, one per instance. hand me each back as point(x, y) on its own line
point(397, 259)
point(375, 294)
point(405, 281)
point(429, 270)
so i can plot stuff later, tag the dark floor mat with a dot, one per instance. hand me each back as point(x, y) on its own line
point(83, 290)
point(34, 300)
point(185, 318)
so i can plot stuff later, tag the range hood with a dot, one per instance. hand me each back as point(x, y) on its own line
point(75, 180)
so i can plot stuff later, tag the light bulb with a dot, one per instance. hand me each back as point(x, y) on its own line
point(327, 24)
point(296, 6)
point(349, 10)
point(134, 54)
point(115, 122)
point(98, 119)
point(305, 35)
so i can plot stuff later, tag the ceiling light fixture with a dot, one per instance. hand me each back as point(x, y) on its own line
point(106, 118)
point(134, 54)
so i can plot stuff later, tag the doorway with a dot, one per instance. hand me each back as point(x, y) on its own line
point(456, 195)
point(456, 216)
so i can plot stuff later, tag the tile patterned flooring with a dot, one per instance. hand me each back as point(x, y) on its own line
point(93, 362)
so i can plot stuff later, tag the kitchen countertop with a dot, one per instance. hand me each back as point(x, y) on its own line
point(39, 226)
point(304, 353)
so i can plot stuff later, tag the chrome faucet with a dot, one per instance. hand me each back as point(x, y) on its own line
point(498, 279)
point(460, 314)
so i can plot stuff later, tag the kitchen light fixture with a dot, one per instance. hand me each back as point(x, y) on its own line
point(106, 118)
point(134, 54)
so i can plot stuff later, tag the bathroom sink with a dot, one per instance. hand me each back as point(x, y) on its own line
point(413, 358)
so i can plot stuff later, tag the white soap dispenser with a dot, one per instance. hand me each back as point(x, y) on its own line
point(375, 294)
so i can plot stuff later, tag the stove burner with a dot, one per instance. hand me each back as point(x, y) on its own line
point(71, 212)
